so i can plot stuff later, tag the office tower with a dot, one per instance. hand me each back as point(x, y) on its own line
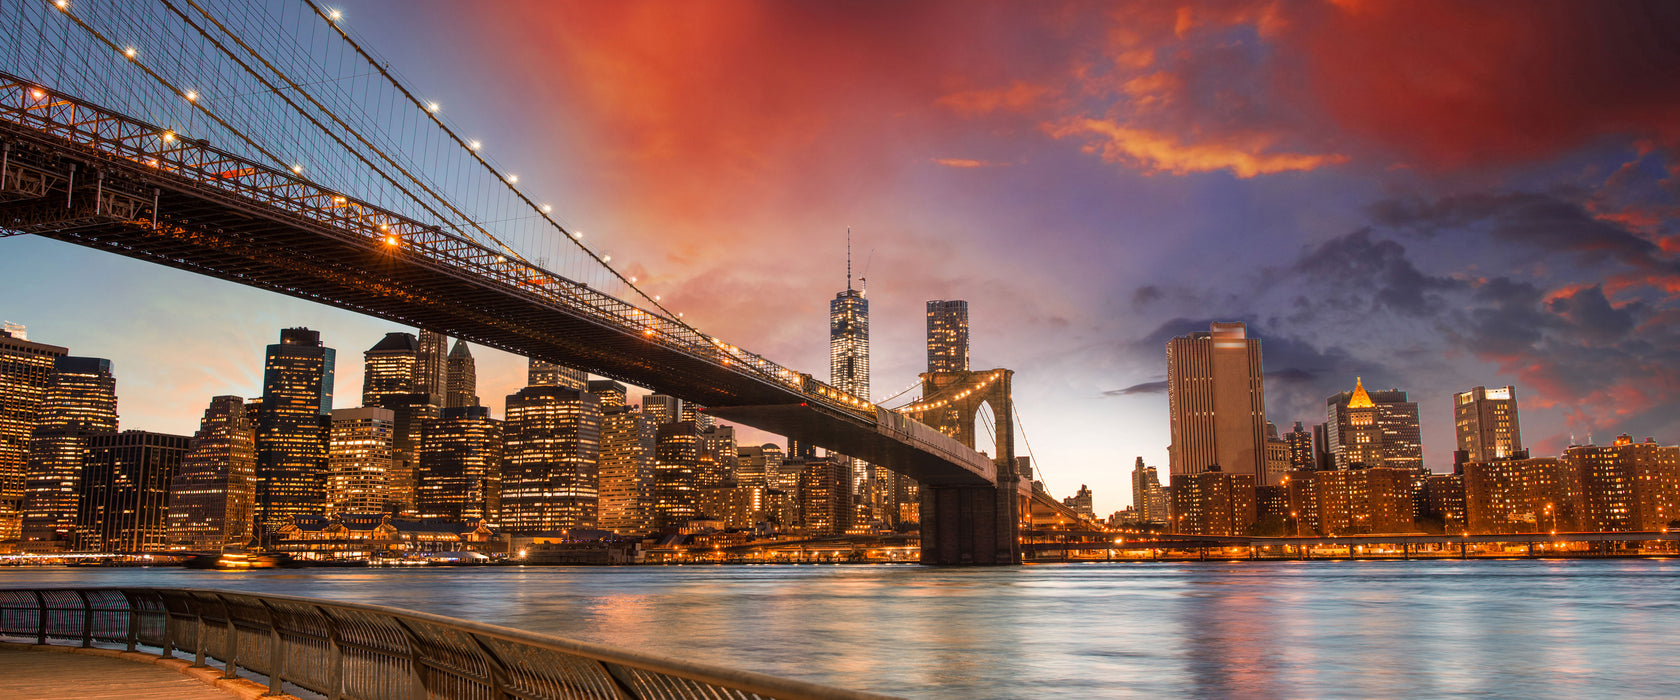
point(1213, 502)
point(211, 498)
point(409, 414)
point(1373, 429)
point(292, 427)
point(1148, 499)
point(1626, 486)
point(695, 412)
point(824, 495)
point(675, 466)
point(1321, 448)
point(947, 336)
point(629, 441)
point(719, 441)
point(125, 491)
point(1277, 456)
point(361, 452)
point(848, 365)
point(611, 393)
point(460, 466)
point(391, 367)
point(1518, 495)
point(540, 373)
point(431, 367)
point(24, 369)
point(460, 374)
point(1216, 402)
point(661, 408)
point(80, 402)
point(1300, 443)
point(760, 465)
point(551, 448)
point(1080, 502)
point(1486, 422)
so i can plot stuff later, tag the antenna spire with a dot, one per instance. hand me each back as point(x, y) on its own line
point(848, 258)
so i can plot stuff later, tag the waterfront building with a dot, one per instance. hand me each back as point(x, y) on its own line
point(541, 373)
point(1149, 500)
point(361, 452)
point(550, 458)
point(737, 506)
point(431, 368)
point(947, 336)
point(1080, 502)
point(1625, 486)
point(1300, 443)
point(1518, 494)
point(662, 409)
point(80, 402)
point(824, 495)
point(25, 367)
point(1352, 501)
point(1216, 403)
point(677, 456)
point(1443, 499)
point(125, 491)
point(292, 427)
point(460, 466)
point(212, 496)
point(629, 442)
point(460, 377)
point(1213, 502)
point(390, 367)
point(1373, 429)
point(1486, 422)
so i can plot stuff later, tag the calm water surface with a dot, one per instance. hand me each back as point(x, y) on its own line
point(1515, 629)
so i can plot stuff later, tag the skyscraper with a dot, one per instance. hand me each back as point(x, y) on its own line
point(1373, 429)
point(540, 373)
point(460, 465)
point(460, 377)
point(361, 452)
point(1217, 403)
point(611, 393)
point(551, 448)
point(1486, 422)
point(629, 441)
point(24, 369)
point(848, 365)
point(1148, 499)
point(676, 464)
point(1300, 448)
point(125, 491)
point(947, 336)
point(211, 497)
point(662, 409)
point(293, 426)
point(430, 368)
point(1624, 486)
point(80, 402)
point(390, 367)
point(824, 495)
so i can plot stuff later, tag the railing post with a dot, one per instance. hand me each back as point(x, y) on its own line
point(198, 632)
point(335, 664)
point(133, 622)
point(87, 619)
point(230, 665)
point(417, 689)
point(41, 604)
point(168, 635)
point(498, 669)
point(275, 656)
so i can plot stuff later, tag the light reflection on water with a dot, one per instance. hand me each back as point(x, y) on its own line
point(1255, 629)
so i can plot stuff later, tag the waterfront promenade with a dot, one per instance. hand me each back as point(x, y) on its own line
point(36, 672)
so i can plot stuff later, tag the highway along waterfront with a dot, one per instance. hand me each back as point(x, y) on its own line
point(1503, 628)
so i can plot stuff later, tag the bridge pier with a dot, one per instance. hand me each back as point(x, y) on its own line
point(971, 525)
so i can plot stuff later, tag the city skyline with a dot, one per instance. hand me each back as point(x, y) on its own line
point(1558, 253)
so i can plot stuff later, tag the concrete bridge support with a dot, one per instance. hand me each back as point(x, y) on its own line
point(971, 525)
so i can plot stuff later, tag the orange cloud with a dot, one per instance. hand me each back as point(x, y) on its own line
point(1016, 97)
point(967, 163)
point(1158, 152)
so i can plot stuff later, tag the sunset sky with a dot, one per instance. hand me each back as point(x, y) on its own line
point(1431, 196)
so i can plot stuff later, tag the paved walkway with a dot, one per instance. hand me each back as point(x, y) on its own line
point(28, 674)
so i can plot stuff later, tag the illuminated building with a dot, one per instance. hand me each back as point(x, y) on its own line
point(738, 507)
point(460, 466)
point(1443, 496)
point(410, 413)
point(24, 369)
point(848, 364)
point(1300, 443)
point(1626, 486)
point(540, 373)
point(662, 409)
point(80, 402)
point(1212, 502)
point(460, 374)
point(211, 497)
point(125, 491)
point(1080, 502)
point(1216, 402)
point(824, 495)
point(389, 368)
point(947, 336)
point(719, 442)
point(292, 427)
point(1277, 456)
point(611, 393)
point(1149, 501)
point(676, 463)
point(1350, 502)
point(1518, 495)
point(697, 414)
point(431, 368)
point(760, 465)
point(361, 451)
point(629, 441)
point(1486, 422)
point(551, 448)
point(1373, 429)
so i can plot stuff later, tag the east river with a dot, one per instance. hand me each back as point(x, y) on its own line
point(1518, 629)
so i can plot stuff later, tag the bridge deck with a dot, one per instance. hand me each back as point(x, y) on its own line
point(27, 673)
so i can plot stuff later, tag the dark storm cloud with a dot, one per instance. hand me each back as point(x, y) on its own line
point(1359, 260)
point(1145, 294)
point(1592, 316)
point(1159, 387)
point(1547, 222)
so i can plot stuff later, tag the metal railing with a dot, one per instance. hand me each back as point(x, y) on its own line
point(346, 650)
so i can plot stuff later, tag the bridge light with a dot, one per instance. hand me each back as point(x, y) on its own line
point(390, 240)
point(169, 137)
point(297, 169)
point(37, 94)
point(192, 95)
point(606, 258)
point(632, 280)
point(62, 4)
point(384, 227)
point(512, 179)
point(547, 208)
point(501, 259)
point(335, 15)
point(577, 234)
point(648, 332)
point(473, 145)
point(656, 297)
point(129, 52)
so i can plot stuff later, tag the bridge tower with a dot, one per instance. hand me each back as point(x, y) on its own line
point(973, 524)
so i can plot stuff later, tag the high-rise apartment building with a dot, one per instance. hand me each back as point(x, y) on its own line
point(1373, 429)
point(431, 371)
point(848, 364)
point(361, 452)
point(1625, 486)
point(1519, 494)
point(125, 491)
point(947, 336)
point(825, 495)
point(1486, 422)
point(662, 409)
point(1213, 502)
point(1277, 456)
point(719, 442)
point(390, 367)
point(292, 427)
point(24, 369)
point(550, 457)
point(460, 374)
point(80, 402)
point(409, 414)
point(1149, 500)
point(540, 373)
point(760, 465)
point(1300, 442)
point(1217, 402)
point(1350, 501)
point(629, 442)
point(212, 496)
point(677, 457)
point(460, 466)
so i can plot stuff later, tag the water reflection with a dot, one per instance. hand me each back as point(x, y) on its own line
point(1269, 629)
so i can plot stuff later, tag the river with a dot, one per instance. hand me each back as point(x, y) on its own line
point(1314, 629)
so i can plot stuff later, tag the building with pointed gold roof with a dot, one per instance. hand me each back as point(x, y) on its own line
point(1373, 429)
